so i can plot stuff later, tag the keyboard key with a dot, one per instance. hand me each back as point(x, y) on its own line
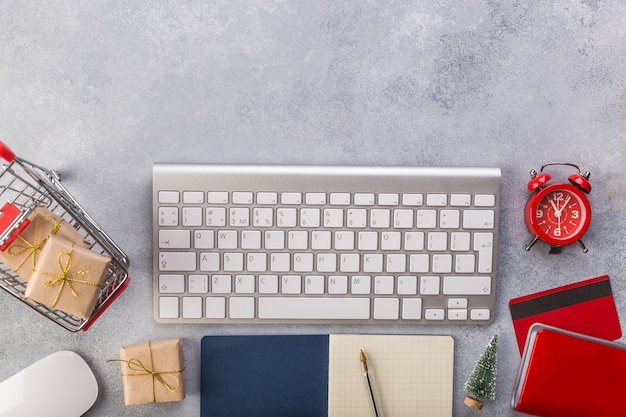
point(412, 199)
point(480, 314)
point(457, 314)
point(204, 239)
point(241, 307)
point(171, 284)
point(412, 308)
point(386, 308)
point(386, 199)
point(314, 308)
point(310, 217)
point(380, 218)
point(215, 307)
point(192, 307)
point(177, 261)
point(174, 239)
point(168, 307)
point(314, 284)
point(478, 219)
point(436, 200)
point(217, 197)
point(357, 218)
point(333, 218)
point(384, 285)
point(460, 200)
point(239, 217)
point(267, 198)
point(360, 284)
point(221, 284)
point(242, 197)
point(340, 199)
point(168, 216)
point(291, 284)
point(484, 200)
point(429, 285)
point(286, 217)
point(426, 219)
point(268, 284)
point(315, 199)
point(403, 219)
point(291, 198)
point(337, 284)
point(263, 217)
point(216, 216)
point(198, 284)
point(483, 243)
point(434, 314)
point(192, 216)
point(227, 239)
point(364, 199)
point(466, 285)
point(449, 219)
point(193, 197)
point(244, 284)
point(407, 285)
point(169, 197)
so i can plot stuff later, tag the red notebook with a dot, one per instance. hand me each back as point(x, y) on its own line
point(584, 307)
point(567, 374)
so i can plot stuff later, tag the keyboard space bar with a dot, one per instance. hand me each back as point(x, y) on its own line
point(314, 308)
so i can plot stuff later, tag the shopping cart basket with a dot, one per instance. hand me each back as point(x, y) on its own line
point(23, 187)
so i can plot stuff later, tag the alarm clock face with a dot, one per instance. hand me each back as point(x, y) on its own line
point(558, 214)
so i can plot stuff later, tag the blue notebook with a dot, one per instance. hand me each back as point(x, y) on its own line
point(320, 375)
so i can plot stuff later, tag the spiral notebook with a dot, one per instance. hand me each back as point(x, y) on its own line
point(320, 375)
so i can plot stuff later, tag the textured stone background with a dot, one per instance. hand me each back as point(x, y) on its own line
point(99, 90)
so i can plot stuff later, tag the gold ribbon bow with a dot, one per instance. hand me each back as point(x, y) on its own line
point(32, 248)
point(137, 366)
point(65, 277)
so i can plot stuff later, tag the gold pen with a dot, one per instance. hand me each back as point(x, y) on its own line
point(366, 378)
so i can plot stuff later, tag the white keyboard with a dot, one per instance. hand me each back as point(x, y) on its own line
point(316, 244)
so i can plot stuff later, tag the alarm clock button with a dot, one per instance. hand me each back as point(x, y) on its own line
point(580, 182)
point(538, 181)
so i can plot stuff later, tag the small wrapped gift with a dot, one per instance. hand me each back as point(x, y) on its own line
point(153, 372)
point(68, 277)
point(21, 256)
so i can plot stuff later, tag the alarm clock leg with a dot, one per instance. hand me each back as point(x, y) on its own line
point(582, 245)
point(532, 242)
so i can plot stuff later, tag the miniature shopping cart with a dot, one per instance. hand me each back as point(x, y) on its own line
point(23, 187)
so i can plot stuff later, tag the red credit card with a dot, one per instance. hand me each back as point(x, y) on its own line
point(585, 307)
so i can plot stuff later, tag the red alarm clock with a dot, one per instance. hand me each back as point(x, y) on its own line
point(558, 214)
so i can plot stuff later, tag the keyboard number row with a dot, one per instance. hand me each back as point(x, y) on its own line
point(330, 218)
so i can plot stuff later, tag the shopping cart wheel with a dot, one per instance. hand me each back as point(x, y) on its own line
point(6, 153)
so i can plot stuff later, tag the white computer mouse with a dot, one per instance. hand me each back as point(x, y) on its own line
point(59, 385)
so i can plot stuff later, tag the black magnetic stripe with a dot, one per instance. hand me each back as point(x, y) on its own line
point(560, 299)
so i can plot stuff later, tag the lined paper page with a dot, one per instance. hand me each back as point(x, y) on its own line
point(410, 375)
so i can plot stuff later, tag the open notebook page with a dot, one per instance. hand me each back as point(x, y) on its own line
point(410, 375)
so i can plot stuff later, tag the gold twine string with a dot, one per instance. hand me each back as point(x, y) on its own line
point(136, 365)
point(33, 248)
point(65, 278)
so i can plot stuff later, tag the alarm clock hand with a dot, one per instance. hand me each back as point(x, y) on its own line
point(557, 212)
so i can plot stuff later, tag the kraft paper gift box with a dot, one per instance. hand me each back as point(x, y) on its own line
point(21, 256)
point(153, 372)
point(68, 277)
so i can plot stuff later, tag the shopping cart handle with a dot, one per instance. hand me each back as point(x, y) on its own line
point(6, 153)
point(8, 214)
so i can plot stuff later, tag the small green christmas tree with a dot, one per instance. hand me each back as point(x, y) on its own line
point(481, 384)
